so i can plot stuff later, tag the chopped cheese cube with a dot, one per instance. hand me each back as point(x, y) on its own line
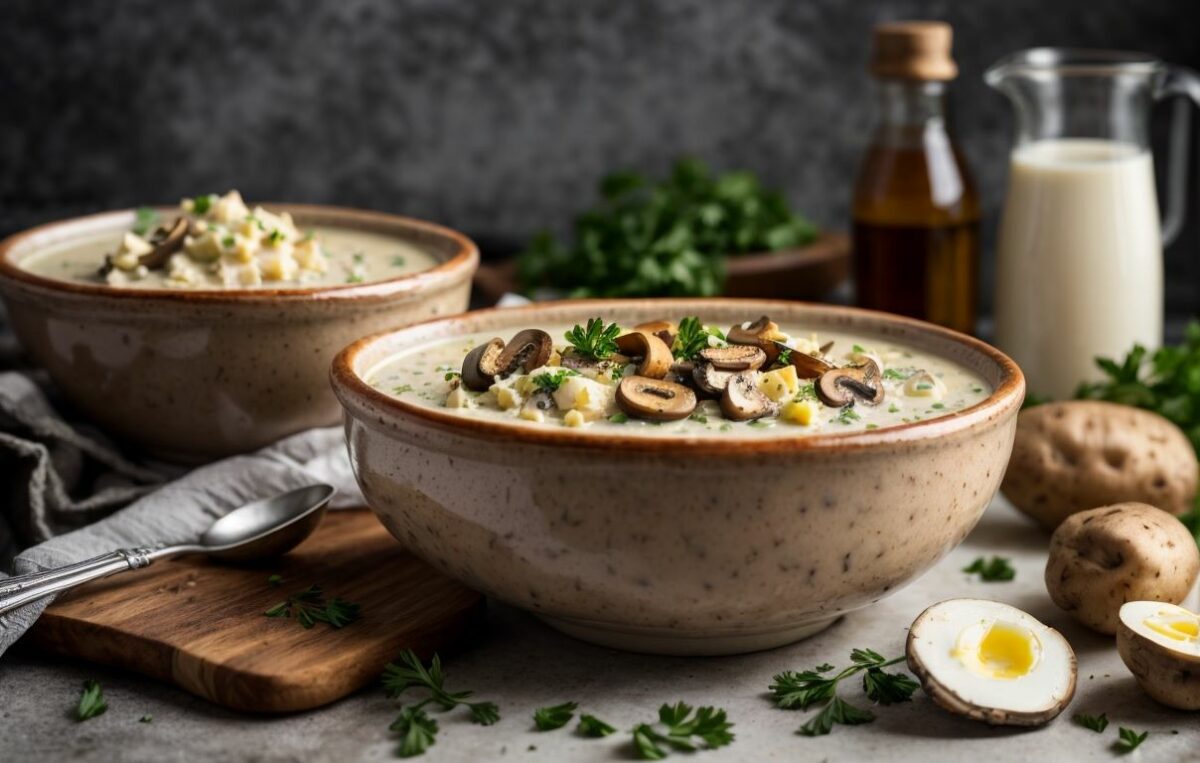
point(802, 412)
point(779, 384)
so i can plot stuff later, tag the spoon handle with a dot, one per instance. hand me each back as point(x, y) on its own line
point(19, 591)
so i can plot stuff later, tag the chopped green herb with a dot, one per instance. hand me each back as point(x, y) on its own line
point(807, 391)
point(726, 427)
point(597, 341)
point(398, 261)
point(977, 389)
point(937, 406)
point(858, 348)
point(201, 204)
point(847, 415)
point(258, 223)
point(618, 418)
point(228, 241)
point(552, 381)
point(355, 278)
point(691, 338)
point(924, 386)
point(418, 731)
point(1129, 740)
point(274, 580)
point(402, 389)
point(895, 374)
point(591, 726)
point(759, 424)
point(146, 719)
point(872, 426)
point(450, 375)
point(801, 690)
point(837, 711)
point(893, 408)
point(996, 569)
point(91, 702)
point(276, 236)
point(555, 716)
point(699, 417)
point(309, 607)
point(144, 220)
point(1097, 723)
point(785, 357)
point(678, 729)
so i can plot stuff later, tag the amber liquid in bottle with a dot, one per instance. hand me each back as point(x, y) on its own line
point(916, 214)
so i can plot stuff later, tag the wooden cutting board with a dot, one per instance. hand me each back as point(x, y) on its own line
point(200, 625)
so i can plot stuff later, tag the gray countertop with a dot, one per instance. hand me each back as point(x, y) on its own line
point(522, 665)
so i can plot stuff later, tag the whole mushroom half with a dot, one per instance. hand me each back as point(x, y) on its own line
point(655, 355)
point(743, 400)
point(762, 333)
point(655, 399)
point(852, 384)
point(528, 350)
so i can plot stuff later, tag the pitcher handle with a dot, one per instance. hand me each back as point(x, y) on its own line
point(1179, 81)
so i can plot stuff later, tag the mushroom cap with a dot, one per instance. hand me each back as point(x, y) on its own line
point(655, 399)
point(166, 241)
point(743, 400)
point(480, 366)
point(842, 386)
point(735, 357)
point(761, 333)
point(664, 330)
point(655, 354)
point(529, 349)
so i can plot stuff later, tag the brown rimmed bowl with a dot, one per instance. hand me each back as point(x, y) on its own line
point(200, 374)
point(672, 544)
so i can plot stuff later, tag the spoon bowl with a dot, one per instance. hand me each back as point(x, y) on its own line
point(269, 527)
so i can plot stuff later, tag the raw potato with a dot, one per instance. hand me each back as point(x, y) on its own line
point(1102, 558)
point(1078, 455)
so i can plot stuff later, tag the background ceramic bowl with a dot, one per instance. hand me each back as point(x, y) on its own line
point(674, 545)
point(199, 374)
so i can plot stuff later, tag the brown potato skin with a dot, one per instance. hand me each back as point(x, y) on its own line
point(1102, 558)
point(1170, 678)
point(1074, 456)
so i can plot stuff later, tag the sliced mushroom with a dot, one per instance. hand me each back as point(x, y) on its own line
point(655, 354)
point(480, 366)
point(166, 241)
point(655, 399)
point(573, 360)
point(742, 400)
point(825, 348)
point(735, 357)
point(807, 366)
point(762, 333)
point(710, 380)
point(529, 349)
point(664, 330)
point(843, 386)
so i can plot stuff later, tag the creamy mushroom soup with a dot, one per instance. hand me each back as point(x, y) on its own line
point(683, 378)
point(217, 242)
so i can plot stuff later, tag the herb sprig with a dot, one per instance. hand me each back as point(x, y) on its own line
point(555, 716)
point(417, 730)
point(994, 570)
point(552, 381)
point(1129, 740)
point(91, 702)
point(309, 607)
point(1097, 723)
point(679, 729)
point(692, 337)
point(145, 219)
point(801, 690)
point(597, 341)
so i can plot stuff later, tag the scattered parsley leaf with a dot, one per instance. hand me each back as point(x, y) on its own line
point(201, 204)
point(994, 570)
point(355, 278)
point(309, 607)
point(1130, 740)
point(399, 261)
point(410, 672)
point(591, 726)
point(837, 711)
point(402, 389)
point(690, 339)
point(145, 219)
point(895, 374)
point(451, 375)
point(618, 418)
point(146, 719)
point(597, 341)
point(552, 381)
point(792, 690)
point(1097, 723)
point(847, 415)
point(888, 688)
point(91, 701)
point(418, 732)
point(276, 236)
point(555, 716)
point(676, 728)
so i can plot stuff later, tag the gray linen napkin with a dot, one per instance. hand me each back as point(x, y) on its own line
point(57, 475)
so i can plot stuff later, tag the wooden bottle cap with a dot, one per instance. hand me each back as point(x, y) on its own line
point(916, 50)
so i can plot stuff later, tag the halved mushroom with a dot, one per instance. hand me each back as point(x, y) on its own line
point(655, 354)
point(655, 399)
point(664, 330)
point(742, 400)
point(807, 366)
point(710, 380)
point(166, 241)
point(843, 386)
point(735, 357)
point(479, 367)
point(529, 349)
point(761, 333)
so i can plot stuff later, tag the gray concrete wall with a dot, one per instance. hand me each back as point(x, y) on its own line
point(494, 116)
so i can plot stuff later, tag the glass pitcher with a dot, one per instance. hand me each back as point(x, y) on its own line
point(1079, 269)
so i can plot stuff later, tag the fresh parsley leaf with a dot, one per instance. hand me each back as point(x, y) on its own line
point(668, 238)
point(994, 570)
point(228, 241)
point(355, 278)
point(418, 732)
point(597, 341)
point(276, 236)
point(837, 711)
point(1129, 740)
point(847, 415)
point(676, 728)
point(888, 688)
point(399, 261)
point(402, 389)
point(1097, 723)
point(690, 339)
point(618, 418)
point(552, 381)
point(309, 607)
point(146, 719)
point(801, 690)
point(409, 672)
point(483, 713)
point(895, 374)
point(91, 702)
point(201, 204)
point(555, 716)
point(451, 375)
point(591, 726)
point(145, 219)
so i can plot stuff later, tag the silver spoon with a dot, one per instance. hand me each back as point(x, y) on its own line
point(265, 528)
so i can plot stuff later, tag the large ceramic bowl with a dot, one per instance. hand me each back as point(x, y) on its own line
point(194, 375)
point(670, 544)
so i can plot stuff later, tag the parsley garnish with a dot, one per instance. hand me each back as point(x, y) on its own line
point(552, 381)
point(418, 731)
point(1130, 740)
point(895, 375)
point(146, 719)
point(597, 341)
point(276, 236)
point(807, 391)
point(228, 241)
point(847, 415)
point(800, 690)
point(785, 356)
point(452, 375)
point(591, 726)
point(1097, 723)
point(996, 569)
point(618, 418)
point(402, 389)
point(309, 607)
point(699, 417)
point(398, 261)
point(555, 716)
point(691, 338)
point(145, 219)
point(91, 702)
point(354, 278)
point(675, 728)
point(858, 348)
point(201, 204)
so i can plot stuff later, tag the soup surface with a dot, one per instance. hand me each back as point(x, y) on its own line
point(216, 242)
point(800, 382)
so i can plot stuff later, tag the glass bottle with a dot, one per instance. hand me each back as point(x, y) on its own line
point(916, 212)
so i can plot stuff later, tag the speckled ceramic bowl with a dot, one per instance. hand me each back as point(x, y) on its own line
point(195, 375)
point(671, 544)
